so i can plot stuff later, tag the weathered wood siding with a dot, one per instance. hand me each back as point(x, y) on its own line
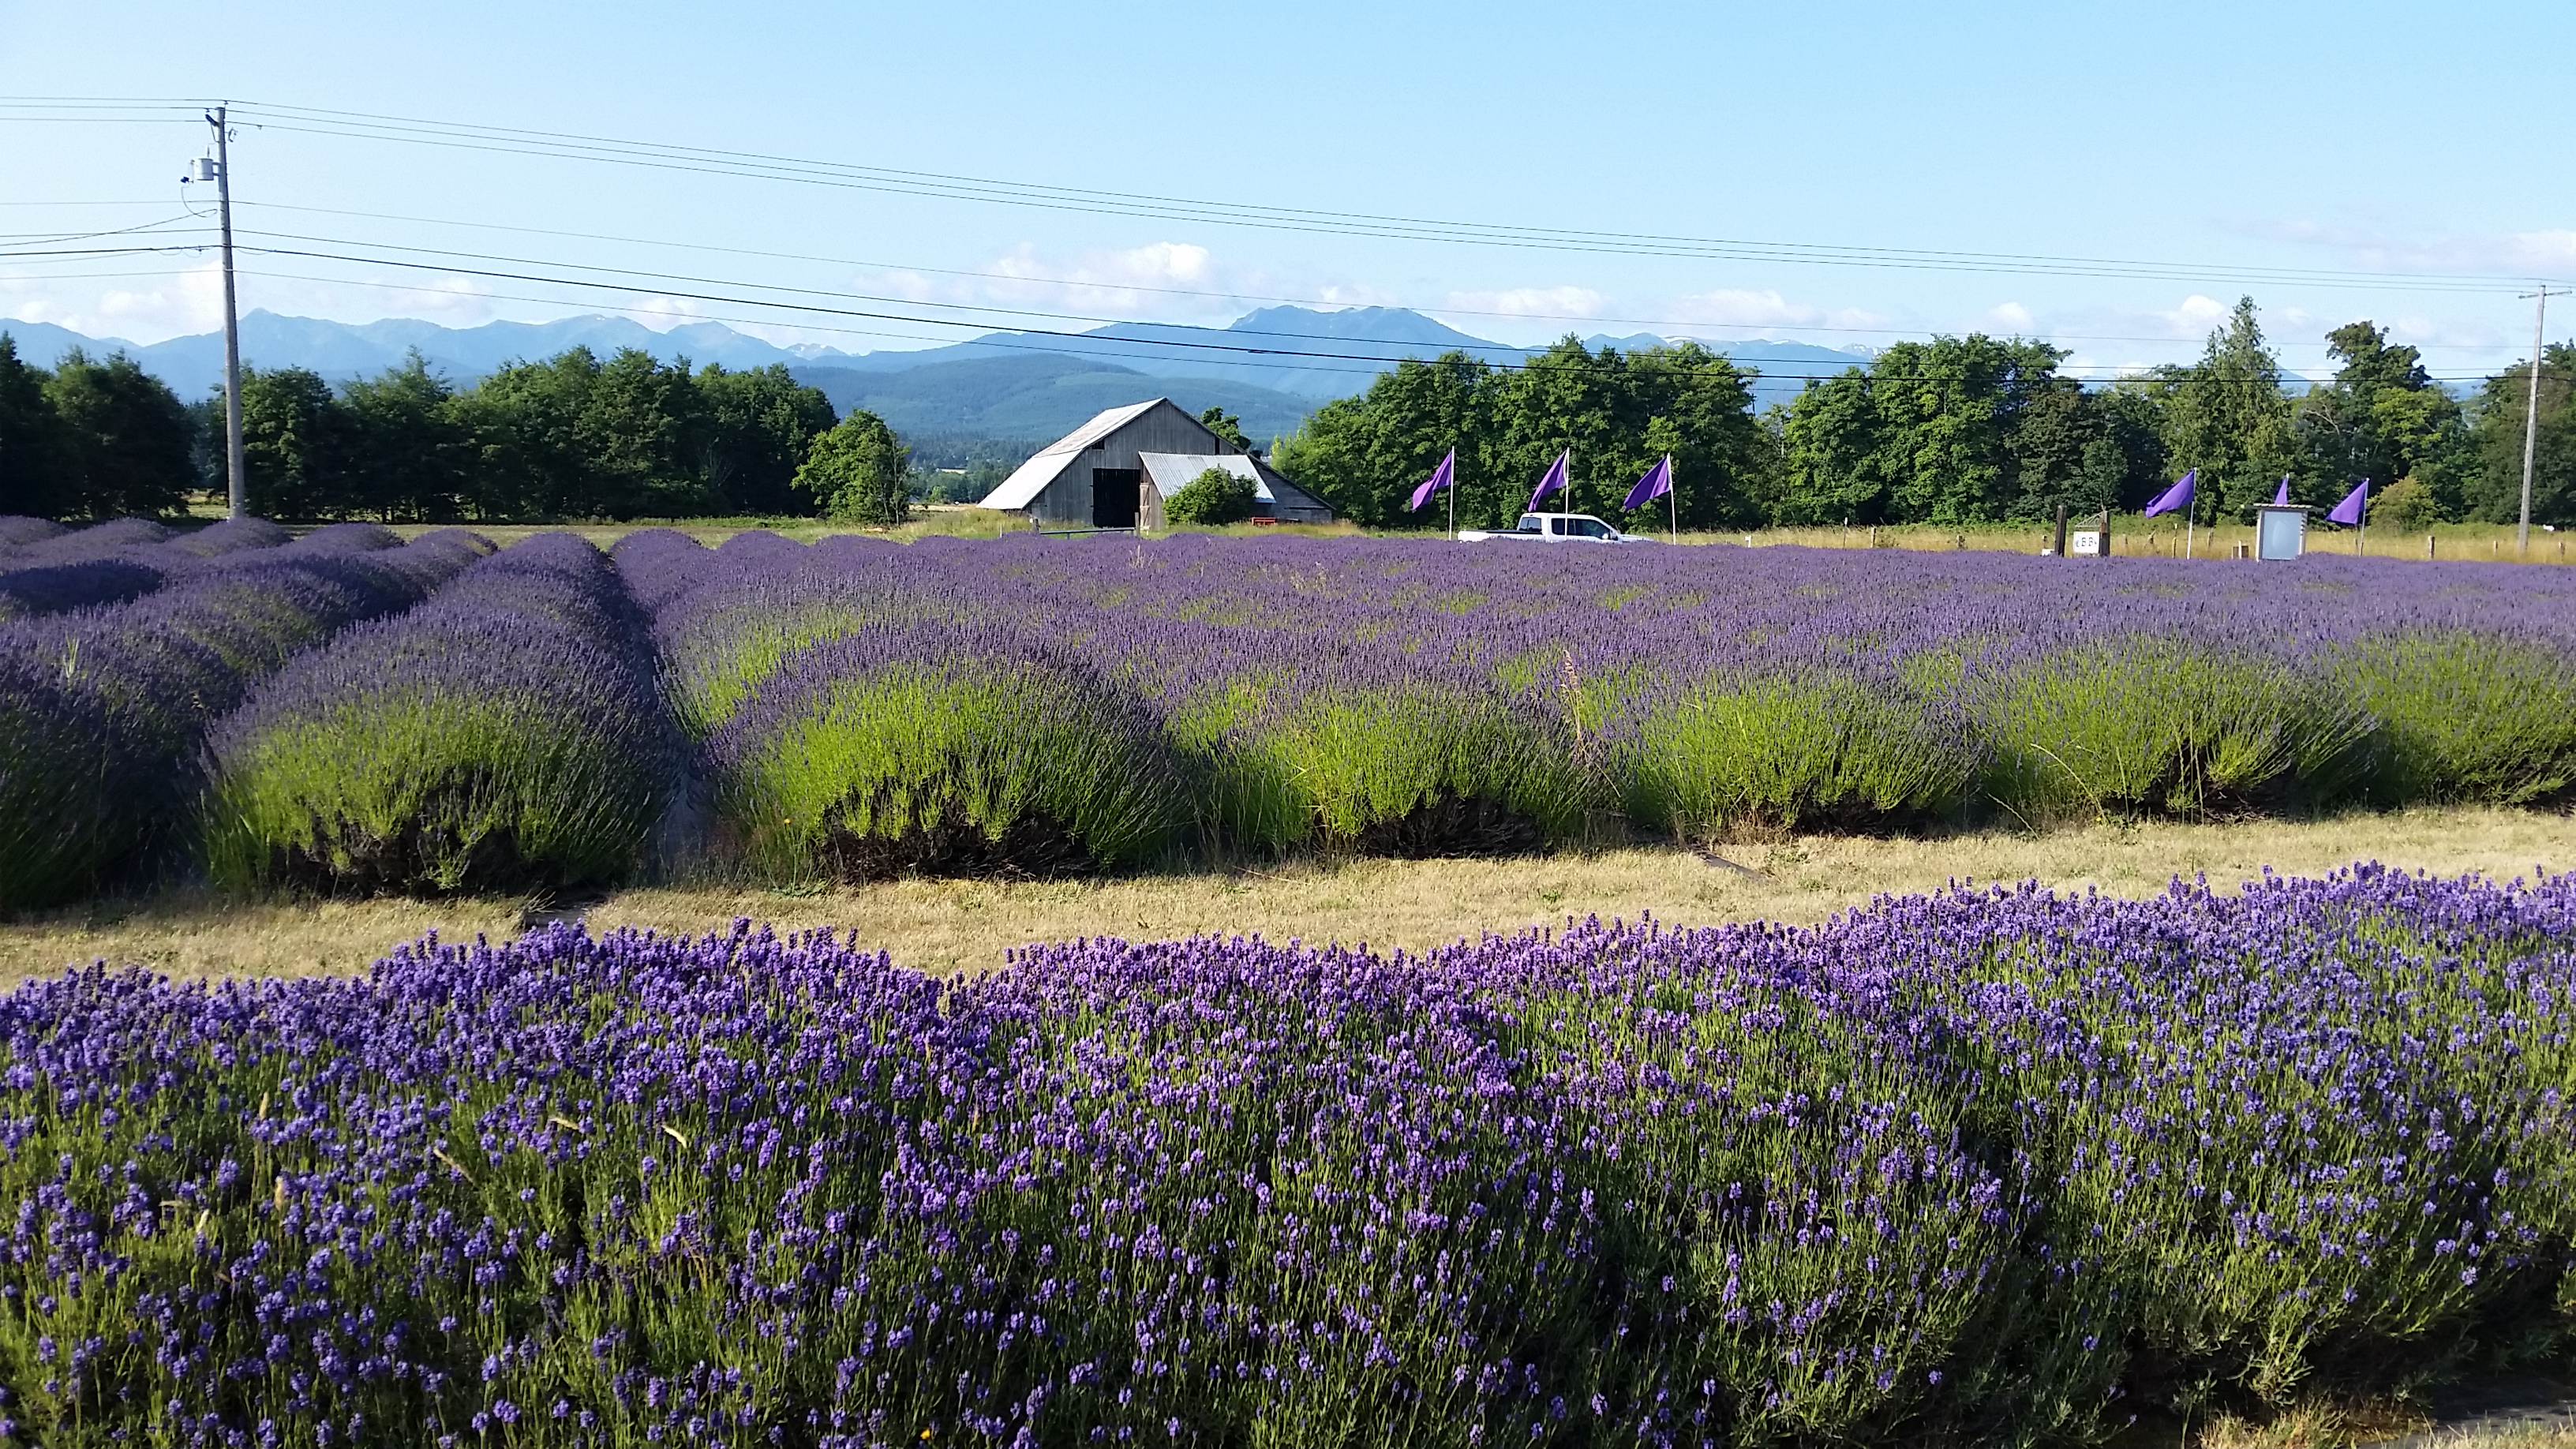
point(1066, 503)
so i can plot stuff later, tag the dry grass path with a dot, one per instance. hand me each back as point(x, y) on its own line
point(967, 925)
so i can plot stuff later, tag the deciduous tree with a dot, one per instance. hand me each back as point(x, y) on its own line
point(128, 436)
point(858, 471)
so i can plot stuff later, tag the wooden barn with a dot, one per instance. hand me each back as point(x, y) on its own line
point(1115, 470)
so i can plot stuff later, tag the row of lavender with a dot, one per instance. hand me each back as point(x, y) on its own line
point(46, 568)
point(857, 708)
point(1996, 1167)
point(864, 705)
point(105, 705)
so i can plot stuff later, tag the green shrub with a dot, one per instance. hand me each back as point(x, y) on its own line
point(2467, 716)
point(1781, 754)
point(431, 792)
point(2144, 725)
point(2409, 503)
point(1211, 500)
point(1410, 768)
point(969, 764)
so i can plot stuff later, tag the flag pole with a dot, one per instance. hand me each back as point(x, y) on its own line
point(2361, 526)
point(1453, 492)
point(2190, 521)
point(1673, 495)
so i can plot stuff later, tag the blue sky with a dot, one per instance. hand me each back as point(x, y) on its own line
point(2221, 144)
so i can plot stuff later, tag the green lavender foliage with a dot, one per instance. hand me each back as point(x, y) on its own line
point(2466, 716)
point(732, 643)
point(1774, 753)
point(423, 790)
point(1342, 765)
point(2146, 725)
point(507, 735)
point(928, 761)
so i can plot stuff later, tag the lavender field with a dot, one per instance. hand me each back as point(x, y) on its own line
point(547, 718)
point(1991, 1167)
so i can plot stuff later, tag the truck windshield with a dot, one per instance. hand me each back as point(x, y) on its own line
point(1531, 523)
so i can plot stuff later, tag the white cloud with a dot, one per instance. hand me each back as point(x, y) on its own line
point(1742, 307)
point(2011, 317)
point(1160, 281)
point(139, 311)
point(2195, 316)
point(1553, 303)
point(2550, 252)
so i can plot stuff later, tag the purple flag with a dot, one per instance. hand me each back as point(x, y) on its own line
point(1657, 482)
point(2282, 498)
point(2348, 512)
point(2178, 496)
point(1441, 477)
point(1554, 480)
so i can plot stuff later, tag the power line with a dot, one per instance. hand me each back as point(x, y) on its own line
point(1229, 353)
point(953, 186)
point(1427, 309)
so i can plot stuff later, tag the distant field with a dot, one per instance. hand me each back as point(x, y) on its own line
point(2462, 542)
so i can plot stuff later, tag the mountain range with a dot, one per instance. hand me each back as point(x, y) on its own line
point(1270, 367)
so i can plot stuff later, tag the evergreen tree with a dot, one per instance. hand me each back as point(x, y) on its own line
point(2226, 416)
point(2382, 418)
point(759, 426)
point(1227, 427)
point(411, 457)
point(1363, 455)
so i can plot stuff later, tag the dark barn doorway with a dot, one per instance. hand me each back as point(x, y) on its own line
point(1113, 496)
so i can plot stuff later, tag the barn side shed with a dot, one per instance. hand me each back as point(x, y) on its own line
point(1097, 476)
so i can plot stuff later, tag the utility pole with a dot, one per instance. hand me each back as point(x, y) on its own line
point(2531, 415)
point(234, 469)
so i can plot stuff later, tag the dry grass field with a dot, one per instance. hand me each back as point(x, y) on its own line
point(952, 925)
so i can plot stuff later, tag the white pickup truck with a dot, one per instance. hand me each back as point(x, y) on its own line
point(1556, 528)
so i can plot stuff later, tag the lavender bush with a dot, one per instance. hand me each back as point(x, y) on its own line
point(1311, 683)
point(1429, 698)
point(103, 710)
point(81, 570)
point(1984, 1167)
point(50, 589)
point(106, 565)
point(939, 747)
point(17, 530)
point(98, 540)
point(505, 735)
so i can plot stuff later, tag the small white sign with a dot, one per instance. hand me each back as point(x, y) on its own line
point(2084, 543)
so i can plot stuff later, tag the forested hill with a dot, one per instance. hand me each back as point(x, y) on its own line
point(1053, 381)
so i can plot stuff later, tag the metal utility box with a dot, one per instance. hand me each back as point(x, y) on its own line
point(2280, 531)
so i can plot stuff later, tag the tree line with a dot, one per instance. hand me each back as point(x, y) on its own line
point(1956, 430)
point(572, 436)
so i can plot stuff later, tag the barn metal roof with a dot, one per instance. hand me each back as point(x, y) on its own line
point(1171, 471)
point(1044, 466)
